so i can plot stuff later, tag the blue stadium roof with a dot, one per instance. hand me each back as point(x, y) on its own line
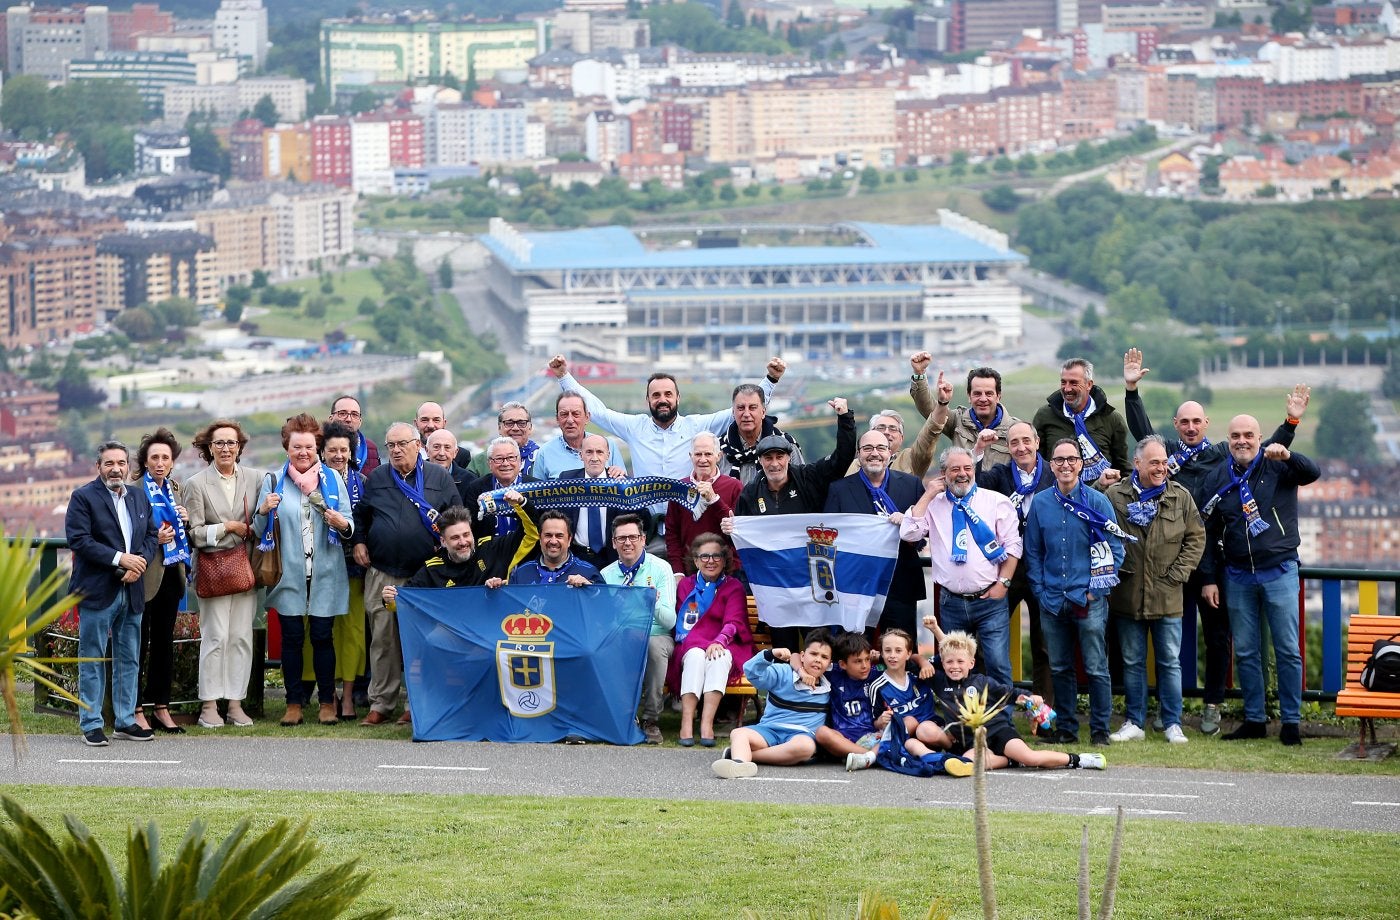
point(619, 247)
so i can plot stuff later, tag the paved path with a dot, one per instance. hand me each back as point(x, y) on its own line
point(228, 762)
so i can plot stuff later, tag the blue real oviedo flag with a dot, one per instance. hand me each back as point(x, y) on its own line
point(525, 662)
point(818, 569)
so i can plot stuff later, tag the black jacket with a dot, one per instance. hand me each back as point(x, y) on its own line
point(850, 495)
point(483, 527)
point(807, 485)
point(1274, 486)
point(391, 528)
point(490, 560)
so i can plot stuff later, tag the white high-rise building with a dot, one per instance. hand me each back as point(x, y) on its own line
point(240, 28)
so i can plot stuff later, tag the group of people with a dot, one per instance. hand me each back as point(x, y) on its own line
point(1104, 530)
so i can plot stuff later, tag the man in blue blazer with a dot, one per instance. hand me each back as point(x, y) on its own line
point(593, 524)
point(874, 488)
point(112, 535)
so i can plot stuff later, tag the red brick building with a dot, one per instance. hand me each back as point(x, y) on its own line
point(124, 26)
point(330, 150)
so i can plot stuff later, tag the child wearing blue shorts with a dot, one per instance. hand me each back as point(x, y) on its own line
point(851, 727)
point(798, 696)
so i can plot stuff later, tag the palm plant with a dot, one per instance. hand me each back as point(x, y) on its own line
point(24, 614)
point(244, 878)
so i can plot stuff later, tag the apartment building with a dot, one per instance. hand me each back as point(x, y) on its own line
point(464, 133)
point(46, 289)
point(124, 27)
point(240, 29)
point(41, 42)
point(132, 269)
point(330, 150)
point(411, 48)
point(245, 238)
point(820, 116)
point(225, 102)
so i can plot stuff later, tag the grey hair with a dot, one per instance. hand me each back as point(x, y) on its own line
point(513, 405)
point(1149, 439)
point(887, 413)
point(714, 440)
point(505, 441)
point(1072, 363)
point(112, 444)
point(409, 425)
point(949, 452)
point(751, 389)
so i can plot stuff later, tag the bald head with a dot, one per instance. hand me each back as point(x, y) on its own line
point(1244, 439)
point(594, 454)
point(442, 448)
point(1023, 444)
point(430, 419)
point(1191, 423)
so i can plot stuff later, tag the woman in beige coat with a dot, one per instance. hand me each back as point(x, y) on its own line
point(221, 500)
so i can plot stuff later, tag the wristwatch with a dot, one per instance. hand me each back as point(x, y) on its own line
point(1005, 582)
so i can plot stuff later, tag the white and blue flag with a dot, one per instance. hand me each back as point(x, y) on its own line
point(818, 569)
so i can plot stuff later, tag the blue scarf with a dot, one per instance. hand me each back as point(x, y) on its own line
point(551, 576)
point(1102, 572)
point(1253, 520)
point(968, 523)
point(361, 451)
point(884, 505)
point(1142, 511)
point(629, 575)
point(330, 493)
point(978, 426)
point(1025, 490)
point(506, 521)
point(163, 510)
point(355, 485)
point(527, 457)
point(1095, 463)
point(696, 605)
point(414, 493)
point(1177, 461)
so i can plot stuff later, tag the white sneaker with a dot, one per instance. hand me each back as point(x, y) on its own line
point(1092, 762)
point(1128, 731)
point(856, 762)
point(1175, 735)
point(733, 769)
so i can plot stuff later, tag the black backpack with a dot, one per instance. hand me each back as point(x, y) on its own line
point(1381, 672)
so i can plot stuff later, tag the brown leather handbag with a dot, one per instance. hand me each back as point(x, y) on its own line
point(222, 572)
point(267, 564)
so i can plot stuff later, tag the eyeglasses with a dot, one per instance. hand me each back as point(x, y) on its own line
point(709, 557)
point(627, 538)
point(515, 422)
point(886, 428)
point(501, 460)
point(224, 445)
point(1065, 461)
point(347, 413)
point(395, 445)
point(875, 449)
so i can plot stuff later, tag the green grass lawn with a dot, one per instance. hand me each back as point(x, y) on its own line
point(352, 286)
point(475, 856)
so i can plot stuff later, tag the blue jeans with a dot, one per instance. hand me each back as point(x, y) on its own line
point(1166, 643)
point(94, 625)
point(1277, 603)
point(1061, 630)
point(989, 621)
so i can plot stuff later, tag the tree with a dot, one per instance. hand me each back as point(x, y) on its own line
point(1001, 198)
point(233, 310)
point(259, 279)
point(870, 178)
point(138, 324)
point(1003, 164)
point(444, 273)
point(75, 389)
point(1345, 429)
point(727, 193)
point(363, 101)
point(24, 109)
point(265, 111)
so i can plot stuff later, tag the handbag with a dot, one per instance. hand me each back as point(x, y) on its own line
point(267, 564)
point(222, 572)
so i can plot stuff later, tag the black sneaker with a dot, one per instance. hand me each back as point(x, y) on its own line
point(133, 733)
point(1288, 734)
point(1248, 731)
point(1099, 739)
point(95, 738)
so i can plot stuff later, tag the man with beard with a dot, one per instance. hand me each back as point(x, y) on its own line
point(1170, 540)
point(557, 563)
point(876, 489)
point(513, 421)
point(1079, 410)
point(751, 424)
point(1251, 520)
point(563, 453)
point(346, 410)
point(982, 425)
point(461, 563)
point(974, 547)
point(721, 495)
point(1190, 461)
point(1026, 474)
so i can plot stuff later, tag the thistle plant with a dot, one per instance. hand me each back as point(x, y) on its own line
point(974, 712)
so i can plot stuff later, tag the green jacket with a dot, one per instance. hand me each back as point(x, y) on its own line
point(1106, 426)
point(1167, 551)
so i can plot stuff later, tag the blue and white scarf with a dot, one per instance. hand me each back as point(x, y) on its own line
point(696, 605)
point(552, 576)
point(1025, 488)
point(968, 523)
point(1103, 574)
point(1095, 463)
point(355, 485)
point(884, 505)
point(1177, 461)
point(361, 451)
point(163, 510)
point(414, 493)
point(330, 492)
point(1144, 510)
point(629, 573)
point(1254, 521)
point(527, 457)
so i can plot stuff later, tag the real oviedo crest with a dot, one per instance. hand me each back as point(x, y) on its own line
point(525, 665)
point(821, 562)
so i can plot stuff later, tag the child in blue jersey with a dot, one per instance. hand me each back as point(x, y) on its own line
point(957, 651)
point(850, 727)
point(901, 695)
point(798, 696)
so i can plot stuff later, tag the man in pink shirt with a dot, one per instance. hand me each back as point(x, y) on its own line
point(974, 544)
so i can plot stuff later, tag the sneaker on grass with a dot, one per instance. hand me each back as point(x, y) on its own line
point(1210, 720)
point(1175, 735)
point(1128, 731)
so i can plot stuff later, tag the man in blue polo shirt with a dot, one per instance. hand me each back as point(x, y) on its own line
point(557, 563)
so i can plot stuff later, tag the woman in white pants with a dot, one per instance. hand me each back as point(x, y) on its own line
point(220, 500)
point(712, 636)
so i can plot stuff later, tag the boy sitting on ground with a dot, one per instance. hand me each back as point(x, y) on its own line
point(852, 729)
point(902, 696)
point(798, 696)
point(956, 653)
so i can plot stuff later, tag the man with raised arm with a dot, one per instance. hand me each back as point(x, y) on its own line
point(982, 425)
point(1190, 459)
point(752, 423)
point(1079, 410)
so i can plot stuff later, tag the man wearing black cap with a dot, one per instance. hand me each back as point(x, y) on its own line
point(785, 488)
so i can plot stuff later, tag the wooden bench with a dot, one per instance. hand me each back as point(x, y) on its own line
point(1355, 700)
point(740, 686)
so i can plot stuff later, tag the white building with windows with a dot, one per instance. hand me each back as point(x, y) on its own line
point(240, 29)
